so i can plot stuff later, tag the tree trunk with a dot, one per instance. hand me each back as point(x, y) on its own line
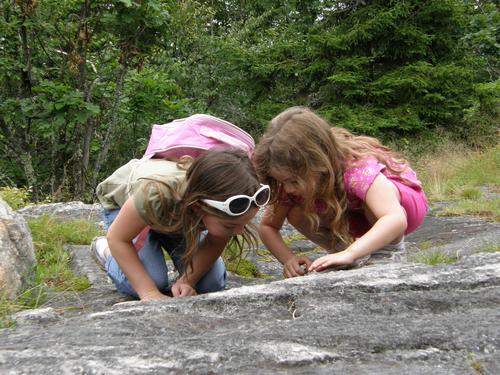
point(79, 166)
point(87, 138)
point(29, 172)
point(103, 154)
point(23, 145)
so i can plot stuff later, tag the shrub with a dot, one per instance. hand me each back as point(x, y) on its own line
point(15, 197)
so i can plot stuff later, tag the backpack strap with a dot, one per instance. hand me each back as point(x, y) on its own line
point(225, 138)
point(140, 240)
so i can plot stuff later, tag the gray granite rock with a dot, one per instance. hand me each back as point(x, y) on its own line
point(64, 210)
point(36, 316)
point(17, 254)
point(383, 319)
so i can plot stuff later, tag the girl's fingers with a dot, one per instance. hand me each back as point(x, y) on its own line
point(318, 265)
point(290, 272)
point(317, 268)
point(286, 273)
point(298, 270)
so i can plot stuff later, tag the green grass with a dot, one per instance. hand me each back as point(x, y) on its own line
point(53, 261)
point(471, 193)
point(53, 271)
point(484, 208)
point(490, 248)
point(245, 268)
point(29, 299)
point(476, 366)
point(467, 179)
point(424, 245)
point(434, 257)
point(15, 197)
point(430, 255)
point(236, 263)
point(481, 168)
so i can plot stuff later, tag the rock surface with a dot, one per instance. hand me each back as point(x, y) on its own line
point(391, 319)
point(392, 316)
point(65, 210)
point(17, 254)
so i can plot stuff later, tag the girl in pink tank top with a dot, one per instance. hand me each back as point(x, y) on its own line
point(349, 194)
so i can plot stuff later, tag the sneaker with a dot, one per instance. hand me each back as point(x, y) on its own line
point(389, 250)
point(98, 251)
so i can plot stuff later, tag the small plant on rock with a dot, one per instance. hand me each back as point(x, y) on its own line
point(434, 257)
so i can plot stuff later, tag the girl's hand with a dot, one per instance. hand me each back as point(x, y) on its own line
point(296, 266)
point(154, 295)
point(342, 258)
point(182, 289)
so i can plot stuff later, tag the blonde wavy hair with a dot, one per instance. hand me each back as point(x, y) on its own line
point(303, 144)
point(217, 175)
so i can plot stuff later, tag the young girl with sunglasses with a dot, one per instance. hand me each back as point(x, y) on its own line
point(191, 213)
point(349, 194)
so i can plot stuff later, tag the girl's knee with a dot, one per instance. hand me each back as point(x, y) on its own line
point(214, 280)
point(123, 286)
point(157, 271)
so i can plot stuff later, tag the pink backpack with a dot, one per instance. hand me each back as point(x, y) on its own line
point(195, 134)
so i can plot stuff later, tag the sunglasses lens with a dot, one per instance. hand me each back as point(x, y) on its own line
point(239, 205)
point(263, 197)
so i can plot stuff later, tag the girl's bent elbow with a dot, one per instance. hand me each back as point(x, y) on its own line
point(109, 238)
point(261, 230)
point(112, 239)
point(402, 224)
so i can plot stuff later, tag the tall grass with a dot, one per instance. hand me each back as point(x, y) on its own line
point(53, 272)
point(468, 178)
point(453, 169)
point(53, 261)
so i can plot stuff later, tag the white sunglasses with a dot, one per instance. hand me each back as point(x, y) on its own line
point(239, 204)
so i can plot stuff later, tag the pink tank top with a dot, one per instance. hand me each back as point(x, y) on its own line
point(359, 176)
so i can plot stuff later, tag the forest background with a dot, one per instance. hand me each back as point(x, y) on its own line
point(83, 81)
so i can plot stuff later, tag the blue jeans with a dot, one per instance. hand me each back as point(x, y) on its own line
point(151, 256)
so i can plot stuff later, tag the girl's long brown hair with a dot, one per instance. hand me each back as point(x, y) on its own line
point(217, 175)
point(301, 143)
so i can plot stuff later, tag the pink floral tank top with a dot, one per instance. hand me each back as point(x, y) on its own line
point(359, 176)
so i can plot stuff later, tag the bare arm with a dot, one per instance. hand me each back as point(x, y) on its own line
point(269, 232)
point(382, 200)
point(209, 250)
point(127, 225)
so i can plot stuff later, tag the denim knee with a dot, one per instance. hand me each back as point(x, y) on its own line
point(160, 278)
point(214, 280)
